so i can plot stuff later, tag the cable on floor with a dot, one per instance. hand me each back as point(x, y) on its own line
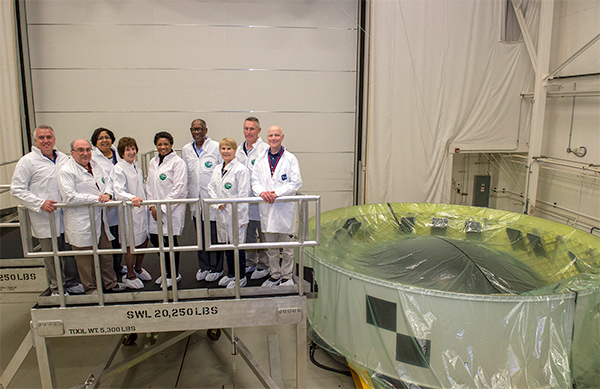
point(182, 361)
point(313, 348)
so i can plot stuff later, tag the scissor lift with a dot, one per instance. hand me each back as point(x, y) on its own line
point(170, 310)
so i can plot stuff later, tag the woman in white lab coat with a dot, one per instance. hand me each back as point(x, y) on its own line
point(128, 185)
point(230, 179)
point(105, 155)
point(167, 180)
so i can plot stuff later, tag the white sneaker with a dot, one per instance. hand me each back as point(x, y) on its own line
point(226, 280)
point(75, 289)
point(56, 293)
point(143, 275)
point(124, 269)
point(271, 282)
point(170, 281)
point(250, 269)
point(259, 274)
point(287, 282)
point(243, 283)
point(213, 276)
point(201, 275)
point(133, 284)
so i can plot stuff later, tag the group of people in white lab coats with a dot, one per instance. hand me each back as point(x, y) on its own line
point(224, 170)
point(99, 172)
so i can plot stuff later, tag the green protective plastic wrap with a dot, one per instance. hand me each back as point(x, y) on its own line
point(441, 296)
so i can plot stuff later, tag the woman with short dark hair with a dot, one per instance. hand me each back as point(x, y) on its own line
point(128, 185)
point(167, 180)
point(105, 154)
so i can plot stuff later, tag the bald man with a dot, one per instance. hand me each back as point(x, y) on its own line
point(277, 173)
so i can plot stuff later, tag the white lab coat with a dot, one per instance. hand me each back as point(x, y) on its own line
point(107, 165)
point(78, 187)
point(128, 182)
point(167, 181)
point(34, 181)
point(286, 180)
point(248, 160)
point(234, 183)
point(200, 168)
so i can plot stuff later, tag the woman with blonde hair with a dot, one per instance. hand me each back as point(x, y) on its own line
point(230, 179)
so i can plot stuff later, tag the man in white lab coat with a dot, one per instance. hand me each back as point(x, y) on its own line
point(201, 156)
point(82, 181)
point(35, 184)
point(277, 173)
point(246, 154)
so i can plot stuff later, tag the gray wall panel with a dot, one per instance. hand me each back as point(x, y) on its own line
point(188, 90)
point(138, 67)
point(320, 13)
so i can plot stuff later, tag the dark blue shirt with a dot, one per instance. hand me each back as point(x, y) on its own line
point(274, 159)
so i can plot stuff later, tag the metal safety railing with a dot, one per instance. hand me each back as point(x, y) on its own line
point(125, 209)
point(28, 251)
point(303, 238)
point(5, 188)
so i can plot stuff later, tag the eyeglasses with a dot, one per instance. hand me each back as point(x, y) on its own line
point(195, 129)
point(82, 150)
point(104, 138)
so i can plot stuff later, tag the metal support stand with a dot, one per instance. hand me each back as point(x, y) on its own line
point(275, 359)
point(16, 361)
point(130, 313)
point(47, 375)
point(189, 316)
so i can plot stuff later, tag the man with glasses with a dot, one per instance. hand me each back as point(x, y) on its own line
point(201, 156)
point(82, 181)
point(35, 184)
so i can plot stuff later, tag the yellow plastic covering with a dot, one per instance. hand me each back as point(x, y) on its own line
point(440, 296)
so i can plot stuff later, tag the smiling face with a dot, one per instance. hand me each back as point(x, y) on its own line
point(45, 140)
point(227, 153)
point(164, 146)
point(275, 137)
point(129, 154)
point(82, 152)
point(104, 142)
point(251, 132)
point(198, 131)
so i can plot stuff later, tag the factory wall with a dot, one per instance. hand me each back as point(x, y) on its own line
point(570, 188)
point(442, 78)
point(138, 67)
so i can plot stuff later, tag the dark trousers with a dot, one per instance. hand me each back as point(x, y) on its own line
point(69, 274)
point(230, 263)
point(114, 231)
point(154, 240)
point(210, 260)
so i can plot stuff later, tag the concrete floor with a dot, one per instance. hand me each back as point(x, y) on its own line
point(195, 362)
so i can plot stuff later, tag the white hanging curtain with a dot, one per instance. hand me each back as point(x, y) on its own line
point(439, 76)
point(10, 125)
